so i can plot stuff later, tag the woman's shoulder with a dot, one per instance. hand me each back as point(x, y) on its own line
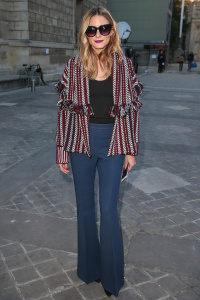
point(73, 60)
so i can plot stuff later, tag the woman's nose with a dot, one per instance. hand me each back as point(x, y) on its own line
point(98, 34)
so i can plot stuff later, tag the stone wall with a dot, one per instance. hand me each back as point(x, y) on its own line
point(4, 34)
point(51, 21)
point(92, 3)
point(193, 34)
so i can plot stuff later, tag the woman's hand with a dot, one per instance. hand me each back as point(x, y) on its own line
point(64, 168)
point(129, 161)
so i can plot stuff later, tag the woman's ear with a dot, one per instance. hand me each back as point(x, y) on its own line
point(112, 31)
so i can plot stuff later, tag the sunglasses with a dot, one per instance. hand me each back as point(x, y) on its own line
point(103, 29)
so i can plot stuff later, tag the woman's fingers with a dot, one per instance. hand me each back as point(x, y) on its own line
point(130, 162)
point(64, 168)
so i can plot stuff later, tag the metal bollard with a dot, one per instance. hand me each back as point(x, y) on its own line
point(33, 85)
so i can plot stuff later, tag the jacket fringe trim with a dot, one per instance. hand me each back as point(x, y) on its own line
point(71, 107)
point(123, 110)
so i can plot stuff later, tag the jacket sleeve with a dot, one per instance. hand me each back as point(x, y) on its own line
point(137, 89)
point(62, 87)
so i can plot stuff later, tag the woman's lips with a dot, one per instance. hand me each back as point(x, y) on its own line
point(98, 41)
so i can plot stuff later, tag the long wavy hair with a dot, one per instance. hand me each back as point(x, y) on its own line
point(87, 55)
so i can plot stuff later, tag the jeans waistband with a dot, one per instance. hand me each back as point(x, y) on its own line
point(101, 126)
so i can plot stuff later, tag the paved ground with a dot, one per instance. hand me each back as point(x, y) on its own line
point(159, 204)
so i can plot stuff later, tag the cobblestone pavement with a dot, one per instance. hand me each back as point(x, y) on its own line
point(159, 205)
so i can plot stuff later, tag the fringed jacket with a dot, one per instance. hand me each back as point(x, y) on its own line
point(74, 110)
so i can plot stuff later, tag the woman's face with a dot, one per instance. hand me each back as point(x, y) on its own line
point(99, 42)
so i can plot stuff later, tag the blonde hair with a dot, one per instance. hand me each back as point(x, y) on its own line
point(87, 56)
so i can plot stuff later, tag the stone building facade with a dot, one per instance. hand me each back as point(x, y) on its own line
point(193, 34)
point(40, 32)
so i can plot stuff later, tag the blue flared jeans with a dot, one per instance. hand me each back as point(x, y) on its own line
point(99, 257)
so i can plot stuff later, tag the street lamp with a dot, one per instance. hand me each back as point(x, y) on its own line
point(181, 27)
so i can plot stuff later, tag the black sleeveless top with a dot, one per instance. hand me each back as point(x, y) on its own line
point(101, 99)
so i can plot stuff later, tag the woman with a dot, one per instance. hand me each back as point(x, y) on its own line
point(98, 128)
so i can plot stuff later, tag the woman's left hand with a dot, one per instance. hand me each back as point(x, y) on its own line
point(129, 161)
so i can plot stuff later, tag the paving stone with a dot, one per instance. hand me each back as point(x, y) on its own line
point(180, 198)
point(156, 204)
point(154, 250)
point(92, 291)
point(34, 290)
point(23, 176)
point(158, 195)
point(30, 248)
point(142, 208)
point(39, 255)
point(74, 277)
point(10, 294)
point(196, 290)
point(5, 281)
point(168, 201)
point(58, 281)
point(136, 276)
point(175, 231)
point(46, 298)
point(153, 180)
point(71, 294)
point(19, 199)
point(191, 227)
point(11, 249)
point(17, 261)
point(155, 273)
point(172, 284)
point(191, 281)
point(178, 218)
point(151, 291)
point(193, 187)
point(129, 294)
point(193, 196)
point(166, 211)
point(37, 228)
point(48, 268)
point(193, 204)
point(152, 215)
point(164, 222)
point(41, 202)
point(25, 275)
point(67, 260)
point(3, 268)
point(187, 295)
point(149, 227)
point(192, 215)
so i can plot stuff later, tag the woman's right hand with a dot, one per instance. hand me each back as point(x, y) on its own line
point(64, 168)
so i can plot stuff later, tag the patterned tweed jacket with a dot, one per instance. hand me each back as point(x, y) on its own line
point(74, 110)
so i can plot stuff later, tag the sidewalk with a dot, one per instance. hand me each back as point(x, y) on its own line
point(159, 205)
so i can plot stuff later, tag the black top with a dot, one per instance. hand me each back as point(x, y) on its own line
point(101, 99)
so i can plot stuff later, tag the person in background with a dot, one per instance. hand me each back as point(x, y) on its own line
point(97, 128)
point(180, 60)
point(161, 61)
point(190, 60)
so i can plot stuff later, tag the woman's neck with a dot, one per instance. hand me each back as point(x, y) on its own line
point(102, 74)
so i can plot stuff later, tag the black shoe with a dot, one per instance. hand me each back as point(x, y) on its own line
point(108, 293)
point(98, 280)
